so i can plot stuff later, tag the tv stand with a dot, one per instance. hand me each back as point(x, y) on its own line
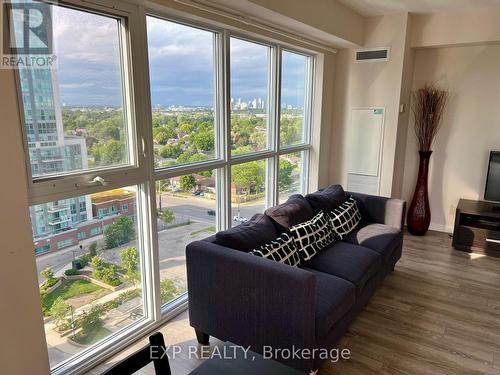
point(477, 227)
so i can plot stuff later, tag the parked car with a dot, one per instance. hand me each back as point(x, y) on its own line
point(211, 212)
point(240, 219)
point(196, 193)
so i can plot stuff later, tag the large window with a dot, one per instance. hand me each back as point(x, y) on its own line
point(248, 190)
point(89, 288)
point(182, 76)
point(186, 207)
point(132, 158)
point(295, 96)
point(250, 68)
point(75, 115)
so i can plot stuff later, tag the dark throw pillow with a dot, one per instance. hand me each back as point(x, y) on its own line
point(345, 218)
point(281, 249)
point(258, 231)
point(294, 211)
point(326, 200)
point(312, 236)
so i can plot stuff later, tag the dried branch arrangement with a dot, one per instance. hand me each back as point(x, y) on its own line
point(428, 105)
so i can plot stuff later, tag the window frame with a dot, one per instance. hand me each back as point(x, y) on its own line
point(80, 182)
point(143, 174)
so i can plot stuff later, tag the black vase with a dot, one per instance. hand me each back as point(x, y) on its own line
point(419, 213)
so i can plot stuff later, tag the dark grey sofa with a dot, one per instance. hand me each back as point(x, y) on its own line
point(252, 301)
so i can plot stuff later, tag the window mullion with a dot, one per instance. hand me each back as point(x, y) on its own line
point(225, 185)
point(276, 111)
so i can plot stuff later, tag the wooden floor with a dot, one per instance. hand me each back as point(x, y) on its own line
point(437, 313)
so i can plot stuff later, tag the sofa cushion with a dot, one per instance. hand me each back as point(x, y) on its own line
point(256, 232)
point(281, 249)
point(294, 211)
point(334, 298)
point(312, 236)
point(326, 200)
point(345, 218)
point(378, 237)
point(354, 263)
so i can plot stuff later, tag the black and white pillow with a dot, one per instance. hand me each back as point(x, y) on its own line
point(282, 249)
point(312, 236)
point(345, 218)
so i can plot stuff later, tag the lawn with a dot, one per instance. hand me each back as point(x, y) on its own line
point(69, 289)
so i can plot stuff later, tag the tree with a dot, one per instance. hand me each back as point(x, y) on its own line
point(60, 311)
point(48, 274)
point(108, 153)
point(285, 174)
point(120, 232)
point(248, 176)
point(168, 291)
point(187, 183)
point(185, 129)
point(204, 141)
point(93, 249)
point(91, 319)
point(167, 215)
point(171, 151)
point(96, 263)
point(130, 261)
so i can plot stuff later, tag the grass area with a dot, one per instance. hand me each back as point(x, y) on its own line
point(70, 289)
point(204, 230)
point(96, 333)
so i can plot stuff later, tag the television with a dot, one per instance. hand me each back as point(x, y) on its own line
point(492, 191)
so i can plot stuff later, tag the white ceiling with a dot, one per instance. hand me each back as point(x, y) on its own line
point(380, 7)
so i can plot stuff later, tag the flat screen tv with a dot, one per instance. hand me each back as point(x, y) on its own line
point(492, 191)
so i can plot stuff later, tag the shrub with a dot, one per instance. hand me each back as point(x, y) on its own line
point(71, 272)
point(93, 249)
point(85, 259)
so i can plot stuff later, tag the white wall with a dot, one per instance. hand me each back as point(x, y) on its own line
point(470, 128)
point(371, 84)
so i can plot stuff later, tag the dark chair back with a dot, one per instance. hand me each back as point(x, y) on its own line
point(143, 357)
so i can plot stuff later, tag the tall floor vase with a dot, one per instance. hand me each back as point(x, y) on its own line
point(419, 213)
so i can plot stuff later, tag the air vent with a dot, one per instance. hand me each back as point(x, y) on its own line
point(378, 54)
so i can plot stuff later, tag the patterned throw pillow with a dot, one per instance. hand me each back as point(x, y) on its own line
point(345, 218)
point(282, 249)
point(312, 236)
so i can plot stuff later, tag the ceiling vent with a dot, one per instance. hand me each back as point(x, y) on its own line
point(372, 54)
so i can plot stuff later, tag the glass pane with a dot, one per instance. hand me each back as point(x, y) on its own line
point(249, 96)
point(181, 71)
point(248, 190)
point(88, 263)
point(186, 207)
point(291, 175)
point(294, 76)
point(74, 113)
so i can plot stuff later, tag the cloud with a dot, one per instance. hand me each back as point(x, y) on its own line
point(181, 63)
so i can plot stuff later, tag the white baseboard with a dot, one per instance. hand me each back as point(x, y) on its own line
point(441, 228)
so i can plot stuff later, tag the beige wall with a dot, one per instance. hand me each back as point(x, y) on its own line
point(370, 84)
point(22, 339)
point(470, 128)
point(474, 26)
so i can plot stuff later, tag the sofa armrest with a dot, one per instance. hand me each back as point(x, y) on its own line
point(249, 300)
point(383, 210)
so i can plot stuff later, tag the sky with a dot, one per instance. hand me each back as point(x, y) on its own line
point(181, 63)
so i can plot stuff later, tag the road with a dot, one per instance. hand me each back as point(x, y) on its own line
point(194, 208)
